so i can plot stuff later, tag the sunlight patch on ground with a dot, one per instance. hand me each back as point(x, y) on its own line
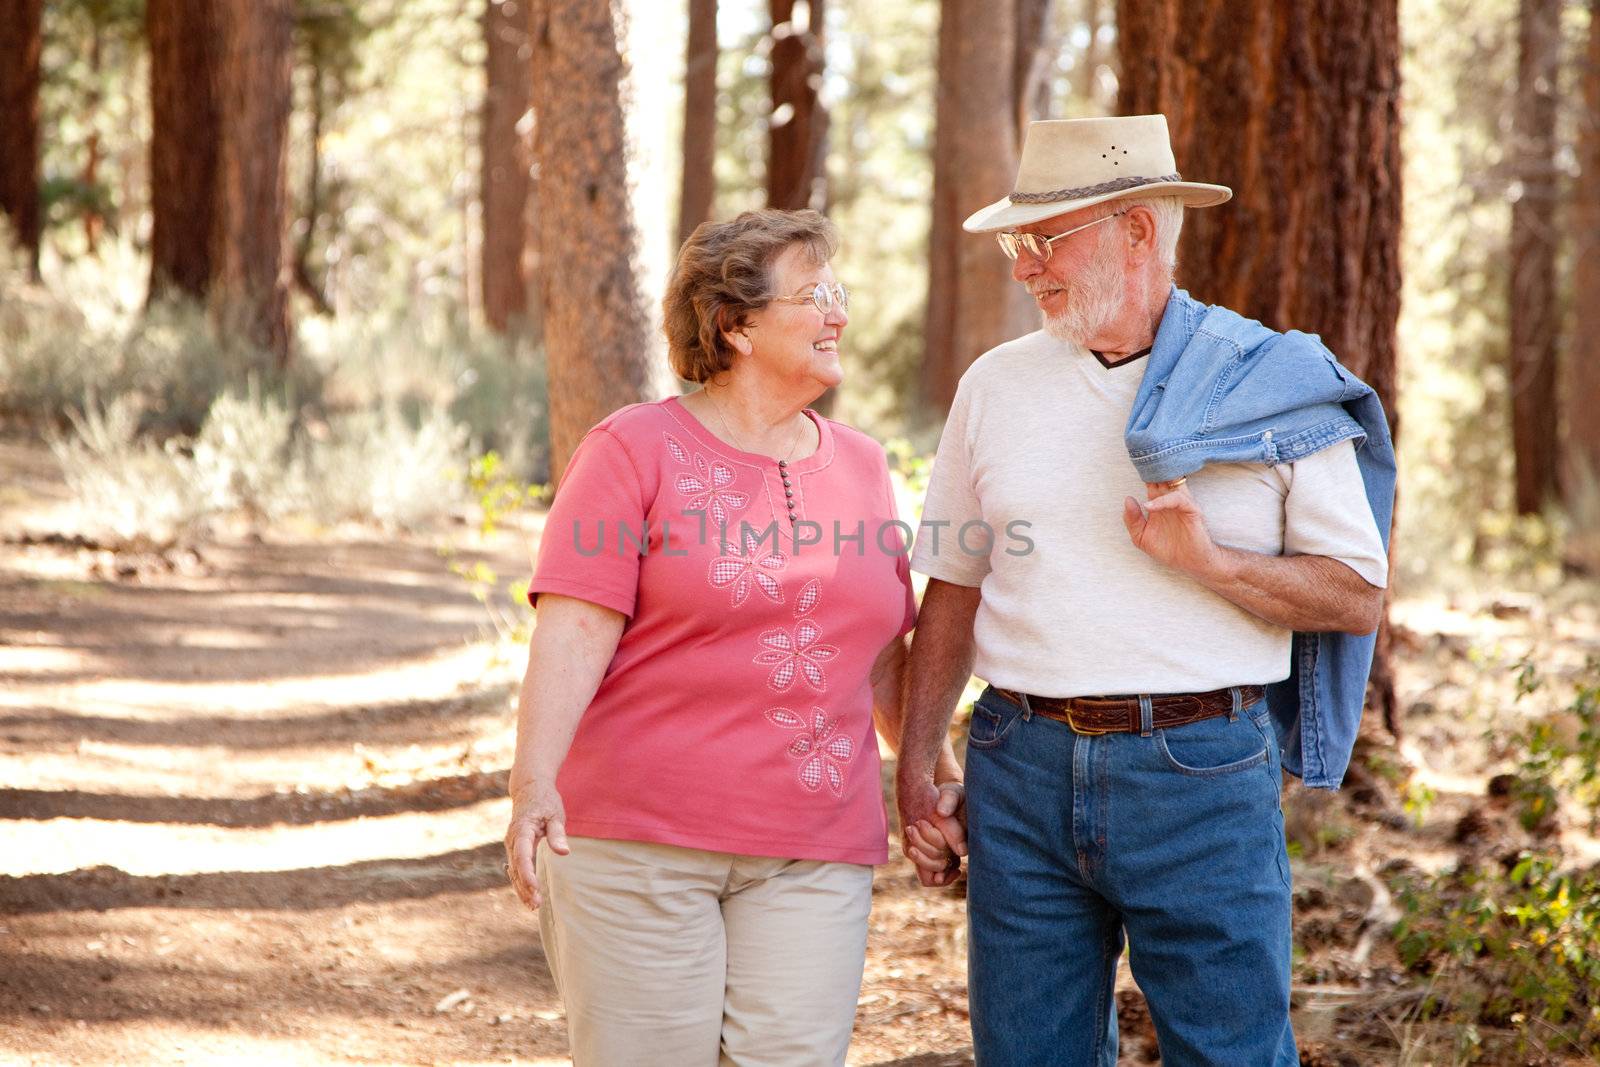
point(165, 771)
point(55, 846)
point(430, 677)
point(40, 659)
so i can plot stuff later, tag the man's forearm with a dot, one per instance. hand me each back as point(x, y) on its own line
point(1305, 593)
point(939, 667)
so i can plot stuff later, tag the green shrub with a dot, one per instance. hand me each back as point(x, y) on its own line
point(129, 490)
point(1505, 948)
point(1559, 754)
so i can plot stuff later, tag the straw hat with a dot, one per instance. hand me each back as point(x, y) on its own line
point(1069, 164)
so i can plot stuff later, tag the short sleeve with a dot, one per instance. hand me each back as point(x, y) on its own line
point(1326, 514)
point(589, 547)
point(951, 502)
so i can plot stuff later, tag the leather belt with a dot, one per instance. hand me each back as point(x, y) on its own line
point(1120, 714)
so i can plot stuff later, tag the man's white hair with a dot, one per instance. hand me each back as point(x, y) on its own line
point(1168, 211)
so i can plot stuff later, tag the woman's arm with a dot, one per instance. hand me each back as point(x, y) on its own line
point(573, 642)
point(888, 708)
point(932, 848)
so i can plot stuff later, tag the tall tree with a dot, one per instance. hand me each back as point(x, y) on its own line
point(798, 137)
point(507, 181)
point(182, 36)
point(699, 119)
point(250, 291)
point(21, 39)
point(598, 347)
point(1582, 392)
point(1533, 313)
point(1301, 118)
point(973, 304)
point(1030, 65)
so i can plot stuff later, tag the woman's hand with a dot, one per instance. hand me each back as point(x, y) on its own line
point(936, 842)
point(536, 813)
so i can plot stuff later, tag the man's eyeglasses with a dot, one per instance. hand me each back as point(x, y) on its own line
point(824, 296)
point(1039, 247)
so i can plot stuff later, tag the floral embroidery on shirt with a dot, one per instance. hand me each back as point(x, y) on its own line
point(820, 748)
point(795, 654)
point(810, 593)
point(748, 567)
point(708, 487)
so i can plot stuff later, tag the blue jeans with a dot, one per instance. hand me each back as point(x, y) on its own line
point(1174, 839)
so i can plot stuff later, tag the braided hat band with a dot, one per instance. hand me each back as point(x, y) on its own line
point(1116, 185)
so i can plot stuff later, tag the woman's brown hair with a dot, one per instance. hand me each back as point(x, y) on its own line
point(723, 273)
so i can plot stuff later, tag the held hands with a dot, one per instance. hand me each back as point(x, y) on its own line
point(934, 830)
point(1171, 529)
point(536, 813)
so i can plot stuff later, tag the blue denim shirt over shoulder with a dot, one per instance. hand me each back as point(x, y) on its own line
point(1221, 388)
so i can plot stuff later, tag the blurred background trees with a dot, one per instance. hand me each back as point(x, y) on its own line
point(21, 41)
point(371, 222)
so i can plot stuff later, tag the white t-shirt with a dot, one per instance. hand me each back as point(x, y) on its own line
point(1069, 606)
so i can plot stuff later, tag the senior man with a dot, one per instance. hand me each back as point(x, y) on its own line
point(1208, 507)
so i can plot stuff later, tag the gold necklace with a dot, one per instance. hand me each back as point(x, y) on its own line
point(783, 464)
point(717, 409)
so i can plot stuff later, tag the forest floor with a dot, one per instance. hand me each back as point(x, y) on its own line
point(253, 800)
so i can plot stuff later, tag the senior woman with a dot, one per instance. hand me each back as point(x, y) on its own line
point(696, 790)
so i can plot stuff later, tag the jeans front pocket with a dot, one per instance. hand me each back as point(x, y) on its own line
point(993, 716)
point(1213, 747)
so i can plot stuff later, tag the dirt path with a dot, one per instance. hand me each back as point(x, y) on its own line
point(252, 804)
point(252, 809)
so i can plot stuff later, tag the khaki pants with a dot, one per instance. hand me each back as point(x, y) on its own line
point(676, 957)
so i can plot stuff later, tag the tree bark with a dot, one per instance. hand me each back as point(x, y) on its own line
point(1533, 313)
point(507, 181)
point(183, 143)
point(1582, 392)
point(250, 282)
point(21, 29)
point(1031, 56)
point(796, 154)
point(699, 119)
point(973, 304)
point(1296, 107)
point(598, 347)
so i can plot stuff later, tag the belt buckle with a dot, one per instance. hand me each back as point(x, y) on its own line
point(1082, 731)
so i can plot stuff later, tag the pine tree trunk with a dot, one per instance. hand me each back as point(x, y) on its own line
point(598, 347)
point(1582, 392)
point(184, 126)
point(250, 290)
point(1031, 55)
point(507, 182)
point(973, 304)
point(1533, 313)
point(699, 119)
point(796, 176)
point(20, 44)
point(1296, 107)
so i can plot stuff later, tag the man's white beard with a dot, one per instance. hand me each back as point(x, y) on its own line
point(1093, 301)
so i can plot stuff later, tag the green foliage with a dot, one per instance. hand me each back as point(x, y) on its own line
point(132, 491)
point(1418, 797)
point(1506, 948)
point(499, 496)
point(59, 349)
point(498, 493)
point(1559, 754)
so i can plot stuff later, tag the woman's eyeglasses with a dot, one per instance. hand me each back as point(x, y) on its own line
point(823, 295)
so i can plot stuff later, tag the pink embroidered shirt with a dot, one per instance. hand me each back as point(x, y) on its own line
point(736, 715)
